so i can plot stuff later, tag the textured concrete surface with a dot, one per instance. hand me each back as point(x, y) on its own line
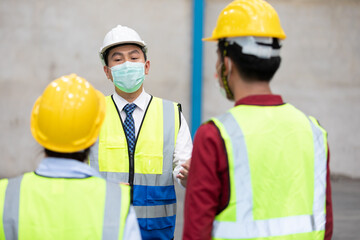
point(318, 73)
point(346, 200)
point(346, 209)
point(42, 40)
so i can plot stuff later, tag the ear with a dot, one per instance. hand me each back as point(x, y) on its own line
point(227, 63)
point(108, 72)
point(147, 67)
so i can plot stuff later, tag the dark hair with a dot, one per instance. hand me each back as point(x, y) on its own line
point(80, 156)
point(106, 53)
point(250, 67)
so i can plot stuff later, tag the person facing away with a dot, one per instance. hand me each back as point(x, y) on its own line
point(64, 198)
point(260, 170)
point(143, 137)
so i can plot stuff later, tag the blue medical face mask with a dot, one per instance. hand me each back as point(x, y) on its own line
point(128, 76)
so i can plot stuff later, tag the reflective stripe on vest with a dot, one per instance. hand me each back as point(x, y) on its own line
point(112, 211)
point(16, 218)
point(155, 211)
point(11, 208)
point(238, 221)
point(154, 151)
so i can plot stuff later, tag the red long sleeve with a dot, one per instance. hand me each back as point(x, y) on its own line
point(207, 191)
point(329, 211)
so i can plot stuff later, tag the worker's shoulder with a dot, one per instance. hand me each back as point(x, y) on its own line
point(166, 101)
point(3, 182)
point(163, 99)
point(16, 180)
point(208, 130)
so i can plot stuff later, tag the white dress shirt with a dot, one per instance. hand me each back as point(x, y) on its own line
point(183, 146)
point(70, 168)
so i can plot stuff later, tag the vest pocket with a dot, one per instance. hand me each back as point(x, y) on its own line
point(155, 206)
point(161, 194)
point(160, 223)
point(164, 200)
point(148, 163)
point(110, 153)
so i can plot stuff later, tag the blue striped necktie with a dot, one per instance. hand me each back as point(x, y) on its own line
point(130, 126)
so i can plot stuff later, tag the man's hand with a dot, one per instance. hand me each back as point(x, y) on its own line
point(183, 173)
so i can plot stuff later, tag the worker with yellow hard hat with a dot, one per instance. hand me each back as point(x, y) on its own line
point(260, 170)
point(145, 140)
point(64, 198)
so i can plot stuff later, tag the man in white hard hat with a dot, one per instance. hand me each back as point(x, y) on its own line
point(145, 140)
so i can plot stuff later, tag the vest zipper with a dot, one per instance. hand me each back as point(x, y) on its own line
point(131, 174)
point(131, 155)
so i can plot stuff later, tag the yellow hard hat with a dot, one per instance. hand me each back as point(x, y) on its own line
point(243, 18)
point(68, 115)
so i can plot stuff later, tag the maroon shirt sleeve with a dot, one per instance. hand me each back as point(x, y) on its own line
point(329, 211)
point(207, 191)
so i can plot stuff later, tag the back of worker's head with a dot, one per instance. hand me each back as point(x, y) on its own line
point(67, 117)
point(249, 33)
point(251, 66)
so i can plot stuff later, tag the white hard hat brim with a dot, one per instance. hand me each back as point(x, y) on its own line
point(141, 44)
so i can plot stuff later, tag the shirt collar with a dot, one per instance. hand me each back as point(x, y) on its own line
point(261, 100)
point(141, 101)
point(65, 168)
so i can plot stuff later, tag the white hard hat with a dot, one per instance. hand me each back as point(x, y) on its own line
point(120, 35)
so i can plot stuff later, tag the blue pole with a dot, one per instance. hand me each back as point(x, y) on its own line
point(197, 49)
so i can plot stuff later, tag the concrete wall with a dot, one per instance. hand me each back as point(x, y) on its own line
point(41, 40)
point(319, 73)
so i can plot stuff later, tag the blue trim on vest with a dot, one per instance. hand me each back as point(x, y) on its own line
point(157, 228)
point(153, 195)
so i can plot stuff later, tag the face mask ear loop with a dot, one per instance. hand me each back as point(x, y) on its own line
point(109, 69)
point(225, 78)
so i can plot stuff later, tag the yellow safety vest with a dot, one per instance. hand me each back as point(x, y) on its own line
point(277, 160)
point(36, 207)
point(149, 171)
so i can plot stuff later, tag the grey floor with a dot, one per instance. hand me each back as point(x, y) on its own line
point(346, 208)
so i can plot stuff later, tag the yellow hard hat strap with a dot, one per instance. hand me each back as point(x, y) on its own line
point(225, 82)
point(224, 78)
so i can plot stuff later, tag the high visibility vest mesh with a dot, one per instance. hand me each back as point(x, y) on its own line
point(277, 167)
point(38, 207)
